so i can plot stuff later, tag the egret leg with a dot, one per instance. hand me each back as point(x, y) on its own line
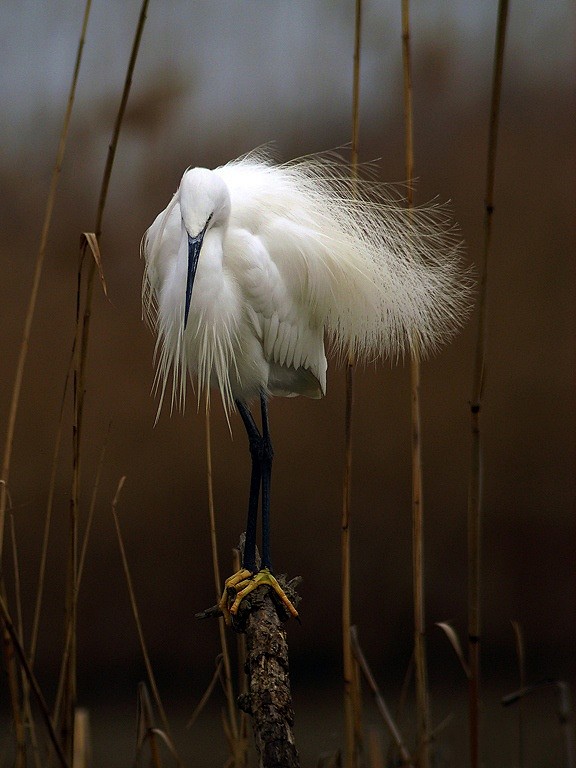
point(262, 454)
point(255, 445)
point(267, 456)
point(249, 578)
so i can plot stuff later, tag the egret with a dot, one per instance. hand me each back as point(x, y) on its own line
point(254, 266)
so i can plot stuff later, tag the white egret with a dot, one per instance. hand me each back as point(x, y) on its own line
point(253, 266)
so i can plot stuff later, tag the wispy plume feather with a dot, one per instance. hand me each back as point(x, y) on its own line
point(304, 250)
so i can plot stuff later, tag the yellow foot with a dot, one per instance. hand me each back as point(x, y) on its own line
point(242, 583)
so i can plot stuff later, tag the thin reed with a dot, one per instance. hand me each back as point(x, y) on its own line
point(235, 724)
point(521, 659)
point(136, 613)
point(475, 486)
point(383, 708)
point(84, 313)
point(351, 688)
point(420, 665)
point(17, 647)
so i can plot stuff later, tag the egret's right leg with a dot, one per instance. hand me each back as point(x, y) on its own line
point(255, 445)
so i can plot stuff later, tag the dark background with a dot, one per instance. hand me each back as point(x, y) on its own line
point(212, 81)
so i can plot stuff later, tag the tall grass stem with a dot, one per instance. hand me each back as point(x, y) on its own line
point(420, 665)
point(17, 647)
point(83, 332)
point(136, 613)
point(521, 659)
point(351, 692)
point(47, 524)
point(227, 667)
point(59, 702)
point(475, 486)
point(379, 699)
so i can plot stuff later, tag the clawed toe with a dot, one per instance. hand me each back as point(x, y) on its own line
point(241, 584)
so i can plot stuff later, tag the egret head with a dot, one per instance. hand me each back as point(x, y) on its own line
point(204, 204)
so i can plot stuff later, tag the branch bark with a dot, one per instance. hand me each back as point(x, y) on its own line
point(268, 701)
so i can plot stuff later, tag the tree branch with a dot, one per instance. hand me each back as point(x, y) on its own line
point(268, 701)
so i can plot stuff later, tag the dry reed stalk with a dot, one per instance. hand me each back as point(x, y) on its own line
point(16, 647)
point(565, 713)
point(44, 547)
point(26, 720)
point(67, 690)
point(47, 524)
point(475, 487)
point(402, 702)
point(521, 658)
point(82, 742)
point(375, 750)
point(145, 729)
point(420, 666)
point(566, 718)
point(350, 758)
point(148, 733)
point(454, 641)
point(60, 695)
point(136, 614)
point(351, 694)
point(379, 699)
point(91, 511)
point(207, 693)
point(237, 744)
point(16, 707)
point(16, 571)
point(82, 338)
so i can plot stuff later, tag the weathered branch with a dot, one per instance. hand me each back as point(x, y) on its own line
point(268, 700)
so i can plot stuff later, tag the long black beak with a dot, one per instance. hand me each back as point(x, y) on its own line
point(194, 246)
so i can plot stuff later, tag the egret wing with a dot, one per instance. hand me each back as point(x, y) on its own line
point(290, 334)
point(381, 279)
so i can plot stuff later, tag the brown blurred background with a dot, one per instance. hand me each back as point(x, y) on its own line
point(214, 80)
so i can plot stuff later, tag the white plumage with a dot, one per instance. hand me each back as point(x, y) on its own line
point(288, 255)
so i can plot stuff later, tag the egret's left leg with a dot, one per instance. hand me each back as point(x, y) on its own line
point(267, 454)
